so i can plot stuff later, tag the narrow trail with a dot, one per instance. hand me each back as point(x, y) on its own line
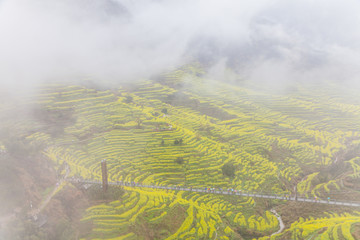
point(281, 223)
point(44, 203)
point(4, 220)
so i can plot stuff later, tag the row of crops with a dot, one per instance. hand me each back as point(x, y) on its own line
point(205, 217)
point(181, 130)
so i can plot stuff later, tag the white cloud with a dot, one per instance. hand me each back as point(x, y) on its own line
point(125, 40)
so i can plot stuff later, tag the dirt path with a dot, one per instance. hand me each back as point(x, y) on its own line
point(6, 219)
point(52, 194)
point(281, 223)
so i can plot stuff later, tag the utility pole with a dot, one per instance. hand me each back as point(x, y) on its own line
point(104, 175)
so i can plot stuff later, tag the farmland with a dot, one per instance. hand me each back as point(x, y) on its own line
point(181, 128)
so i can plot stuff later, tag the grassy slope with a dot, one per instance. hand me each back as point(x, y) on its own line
point(307, 137)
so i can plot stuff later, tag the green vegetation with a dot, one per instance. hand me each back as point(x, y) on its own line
point(180, 160)
point(96, 193)
point(222, 136)
point(228, 169)
point(332, 227)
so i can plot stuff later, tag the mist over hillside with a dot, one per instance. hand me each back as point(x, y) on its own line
point(117, 41)
point(216, 119)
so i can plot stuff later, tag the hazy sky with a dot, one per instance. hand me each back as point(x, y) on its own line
point(122, 40)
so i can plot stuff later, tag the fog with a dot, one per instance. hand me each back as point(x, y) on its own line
point(123, 40)
point(269, 43)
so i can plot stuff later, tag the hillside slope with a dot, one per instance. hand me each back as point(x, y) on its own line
point(182, 129)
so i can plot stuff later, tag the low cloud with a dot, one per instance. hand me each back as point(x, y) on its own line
point(123, 40)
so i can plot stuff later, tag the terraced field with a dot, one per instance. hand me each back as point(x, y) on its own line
point(182, 128)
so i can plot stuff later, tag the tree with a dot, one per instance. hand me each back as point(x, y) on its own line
point(178, 141)
point(179, 160)
point(164, 111)
point(128, 99)
point(228, 169)
point(138, 121)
